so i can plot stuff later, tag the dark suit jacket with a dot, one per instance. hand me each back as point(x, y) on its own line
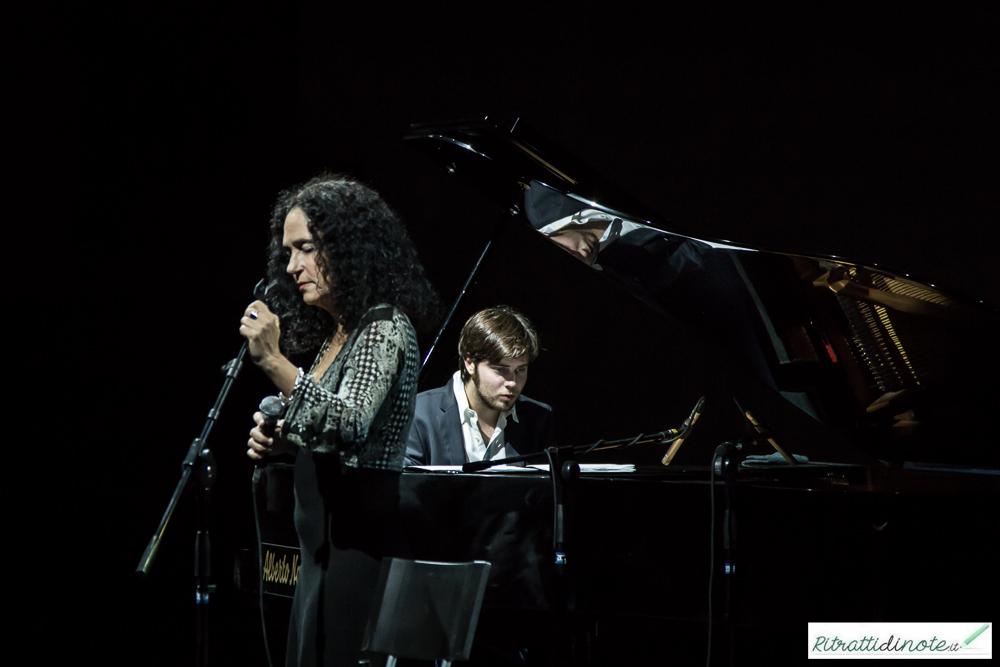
point(436, 434)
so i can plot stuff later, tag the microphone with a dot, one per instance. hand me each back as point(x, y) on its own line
point(264, 289)
point(685, 430)
point(273, 409)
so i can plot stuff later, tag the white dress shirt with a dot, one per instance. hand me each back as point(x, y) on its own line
point(475, 448)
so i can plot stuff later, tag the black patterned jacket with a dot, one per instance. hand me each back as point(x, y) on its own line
point(363, 405)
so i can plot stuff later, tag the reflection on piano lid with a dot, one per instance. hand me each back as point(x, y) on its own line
point(840, 362)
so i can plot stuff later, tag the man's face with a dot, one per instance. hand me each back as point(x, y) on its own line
point(499, 384)
point(583, 242)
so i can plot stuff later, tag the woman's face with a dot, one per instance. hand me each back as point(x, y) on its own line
point(302, 264)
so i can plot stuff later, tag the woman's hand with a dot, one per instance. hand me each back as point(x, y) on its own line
point(262, 446)
point(262, 330)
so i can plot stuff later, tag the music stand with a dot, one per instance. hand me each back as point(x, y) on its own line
point(426, 610)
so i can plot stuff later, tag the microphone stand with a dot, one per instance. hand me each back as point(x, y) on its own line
point(724, 465)
point(198, 469)
point(563, 472)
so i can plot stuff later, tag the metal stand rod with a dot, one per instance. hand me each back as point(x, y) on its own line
point(198, 468)
point(724, 465)
point(196, 456)
point(454, 307)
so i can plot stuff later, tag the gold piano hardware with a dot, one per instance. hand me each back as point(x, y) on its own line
point(897, 294)
point(548, 165)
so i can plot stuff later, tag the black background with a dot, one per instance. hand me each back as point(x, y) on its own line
point(156, 141)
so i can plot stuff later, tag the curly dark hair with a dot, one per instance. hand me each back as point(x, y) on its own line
point(364, 252)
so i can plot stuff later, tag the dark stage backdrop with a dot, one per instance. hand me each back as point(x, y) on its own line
point(867, 133)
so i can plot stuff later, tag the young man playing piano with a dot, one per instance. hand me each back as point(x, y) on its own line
point(480, 414)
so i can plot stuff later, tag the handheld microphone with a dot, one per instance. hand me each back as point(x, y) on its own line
point(273, 410)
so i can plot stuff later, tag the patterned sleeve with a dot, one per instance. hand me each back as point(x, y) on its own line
point(327, 419)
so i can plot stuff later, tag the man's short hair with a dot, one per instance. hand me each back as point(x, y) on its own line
point(495, 333)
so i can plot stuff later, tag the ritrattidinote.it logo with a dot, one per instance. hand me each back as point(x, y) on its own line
point(900, 640)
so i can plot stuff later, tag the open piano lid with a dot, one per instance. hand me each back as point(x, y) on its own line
point(841, 362)
point(511, 159)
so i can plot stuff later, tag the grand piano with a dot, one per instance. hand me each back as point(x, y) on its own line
point(878, 386)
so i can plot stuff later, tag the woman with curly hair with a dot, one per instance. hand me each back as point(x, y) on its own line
point(359, 284)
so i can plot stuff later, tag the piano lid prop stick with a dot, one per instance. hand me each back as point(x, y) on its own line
point(674, 448)
point(791, 461)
